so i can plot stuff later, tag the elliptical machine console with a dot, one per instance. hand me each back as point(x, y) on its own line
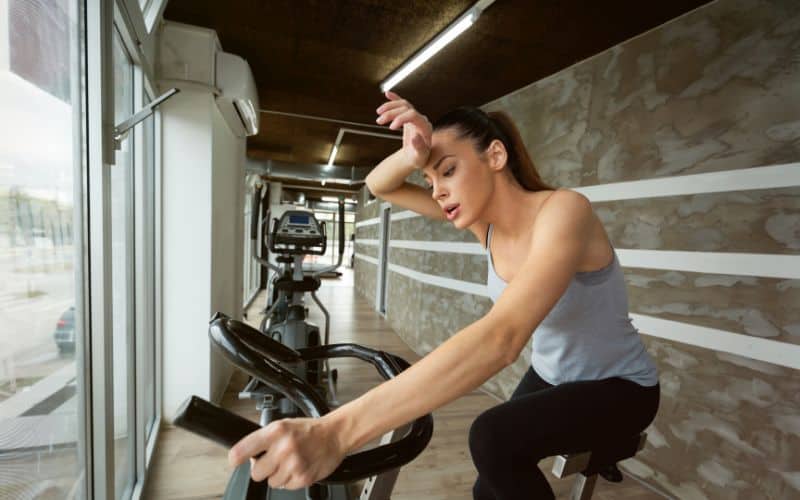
point(298, 232)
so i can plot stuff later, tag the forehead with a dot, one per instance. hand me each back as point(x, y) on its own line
point(444, 142)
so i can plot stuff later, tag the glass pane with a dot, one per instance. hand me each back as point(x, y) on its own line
point(149, 365)
point(41, 168)
point(121, 275)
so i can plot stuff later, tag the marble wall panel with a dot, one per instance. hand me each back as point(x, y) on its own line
point(714, 90)
point(403, 297)
point(758, 221)
point(368, 210)
point(439, 312)
point(464, 267)
point(369, 232)
point(727, 427)
point(365, 277)
point(749, 305)
point(370, 250)
point(424, 229)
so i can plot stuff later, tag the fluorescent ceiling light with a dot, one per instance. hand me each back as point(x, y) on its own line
point(456, 28)
point(334, 199)
point(333, 156)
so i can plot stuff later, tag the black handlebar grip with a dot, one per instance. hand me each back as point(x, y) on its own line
point(212, 422)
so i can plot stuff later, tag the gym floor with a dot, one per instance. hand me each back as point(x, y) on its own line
point(186, 467)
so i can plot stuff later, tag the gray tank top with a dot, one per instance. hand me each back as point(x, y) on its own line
point(588, 334)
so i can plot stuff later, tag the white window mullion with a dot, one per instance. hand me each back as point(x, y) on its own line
point(100, 111)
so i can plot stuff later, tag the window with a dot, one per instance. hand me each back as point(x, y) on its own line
point(122, 278)
point(41, 272)
point(147, 228)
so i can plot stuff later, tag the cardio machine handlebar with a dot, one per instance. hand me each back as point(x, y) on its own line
point(261, 357)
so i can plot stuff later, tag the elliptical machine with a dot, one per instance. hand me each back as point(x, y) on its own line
point(294, 235)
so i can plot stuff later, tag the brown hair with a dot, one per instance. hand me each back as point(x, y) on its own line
point(483, 128)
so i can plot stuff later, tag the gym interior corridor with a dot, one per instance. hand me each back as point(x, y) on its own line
point(148, 145)
point(188, 467)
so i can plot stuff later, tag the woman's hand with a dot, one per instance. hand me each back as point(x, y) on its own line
point(297, 452)
point(417, 129)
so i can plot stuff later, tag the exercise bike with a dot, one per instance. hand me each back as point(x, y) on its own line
point(294, 235)
point(265, 359)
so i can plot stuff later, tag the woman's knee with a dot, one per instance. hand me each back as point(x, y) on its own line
point(487, 439)
point(481, 439)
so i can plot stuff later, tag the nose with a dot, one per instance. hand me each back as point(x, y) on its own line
point(438, 192)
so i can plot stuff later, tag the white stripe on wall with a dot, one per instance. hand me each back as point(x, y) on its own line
point(366, 258)
point(405, 214)
point(439, 246)
point(738, 264)
point(368, 222)
point(449, 283)
point(762, 349)
point(770, 351)
point(746, 179)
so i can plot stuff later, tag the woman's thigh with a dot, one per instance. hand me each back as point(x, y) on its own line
point(543, 421)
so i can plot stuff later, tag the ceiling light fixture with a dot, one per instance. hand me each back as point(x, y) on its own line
point(338, 142)
point(334, 199)
point(333, 155)
point(439, 41)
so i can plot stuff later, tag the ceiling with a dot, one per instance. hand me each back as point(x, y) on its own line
point(326, 59)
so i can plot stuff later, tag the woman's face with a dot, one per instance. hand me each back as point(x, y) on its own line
point(460, 179)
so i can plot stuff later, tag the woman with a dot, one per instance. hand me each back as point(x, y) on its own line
point(552, 270)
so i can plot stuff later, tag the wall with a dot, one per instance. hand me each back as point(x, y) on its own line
point(227, 225)
point(711, 262)
point(203, 178)
point(186, 246)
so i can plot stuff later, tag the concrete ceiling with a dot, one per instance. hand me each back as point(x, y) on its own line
point(327, 58)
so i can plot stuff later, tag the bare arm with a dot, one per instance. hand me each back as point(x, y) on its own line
point(388, 181)
point(482, 349)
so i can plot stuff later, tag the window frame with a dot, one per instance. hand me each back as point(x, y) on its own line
point(97, 123)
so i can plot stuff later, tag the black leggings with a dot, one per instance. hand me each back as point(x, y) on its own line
point(541, 420)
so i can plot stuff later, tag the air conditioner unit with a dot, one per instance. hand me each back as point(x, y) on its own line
point(238, 99)
point(191, 56)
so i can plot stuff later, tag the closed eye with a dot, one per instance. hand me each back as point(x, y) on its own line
point(449, 171)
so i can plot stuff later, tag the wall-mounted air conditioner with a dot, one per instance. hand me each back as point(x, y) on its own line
point(192, 57)
point(238, 100)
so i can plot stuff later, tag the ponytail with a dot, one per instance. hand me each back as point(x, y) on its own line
point(483, 128)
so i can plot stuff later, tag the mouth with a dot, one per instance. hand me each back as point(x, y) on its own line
point(451, 211)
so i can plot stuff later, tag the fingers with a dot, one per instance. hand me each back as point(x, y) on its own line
point(408, 116)
point(419, 142)
point(393, 105)
point(280, 478)
point(389, 115)
point(249, 446)
point(265, 467)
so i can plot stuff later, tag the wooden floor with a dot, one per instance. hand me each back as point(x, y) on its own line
point(188, 467)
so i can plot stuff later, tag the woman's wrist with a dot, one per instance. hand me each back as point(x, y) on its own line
point(341, 424)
